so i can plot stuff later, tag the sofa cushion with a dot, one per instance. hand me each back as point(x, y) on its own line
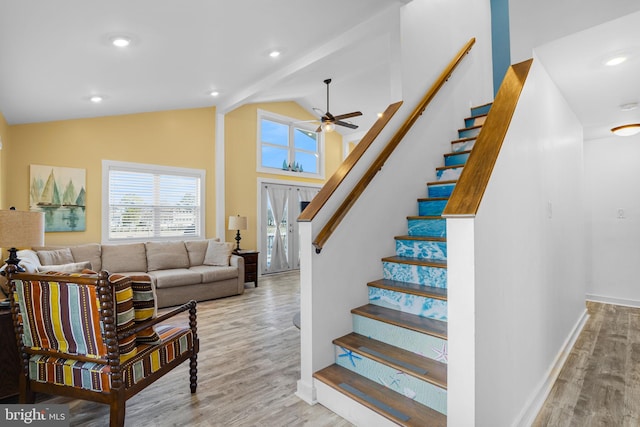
point(218, 253)
point(90, 252)
point(55, 256)
point(197, 249)
point(166, 255)
point(73, 267)
point(211, 273)
point(175, 277)
point(126, 257)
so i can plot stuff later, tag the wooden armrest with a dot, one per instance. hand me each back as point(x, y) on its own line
point(148, 323)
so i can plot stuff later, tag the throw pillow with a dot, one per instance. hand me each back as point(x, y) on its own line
point(218, 253)
point(55, 257)
point(144, 305)
point(125, 317)
point(74, 267)
point(197, 250)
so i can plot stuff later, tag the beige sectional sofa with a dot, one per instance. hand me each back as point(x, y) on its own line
point(180, 270)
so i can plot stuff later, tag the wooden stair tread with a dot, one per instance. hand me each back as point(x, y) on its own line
point(450, 181)
point(421, 367)
point(423, 238)
point(410, 288)
point(416, 261)
point(384, 401)
point(468, 138)
point(416, 323)
point(469, 128)
point(475, 117)
point(440, 168)
point(457, 153)
point(432, 199)
point(424, 217)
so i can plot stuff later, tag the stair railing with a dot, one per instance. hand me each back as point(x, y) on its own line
point(329, 188)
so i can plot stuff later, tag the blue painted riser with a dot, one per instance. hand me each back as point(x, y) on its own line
point(478, 111)
point(468, 133)
point(427, 227)
point(462, 146)
point(458, 159)
point(418, 274)
point(440, 190)
point(407, 385)
point(409, 303)
point(424, 249)
point(431, 207)
point(449, 174)
point(416, 342)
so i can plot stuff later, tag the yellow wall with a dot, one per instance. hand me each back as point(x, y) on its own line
point(241, 177)
point(182, 138)
point(4, 135)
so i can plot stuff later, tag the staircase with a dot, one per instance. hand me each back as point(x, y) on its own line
point(395, 361)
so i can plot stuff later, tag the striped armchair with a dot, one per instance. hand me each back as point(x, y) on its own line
point(95, 337)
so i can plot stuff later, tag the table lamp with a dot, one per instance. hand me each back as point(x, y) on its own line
point(20, 229)
point(238, 223)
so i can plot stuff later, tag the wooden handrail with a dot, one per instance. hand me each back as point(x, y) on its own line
point(375, 167)
point(352, 159)
point(467, 194)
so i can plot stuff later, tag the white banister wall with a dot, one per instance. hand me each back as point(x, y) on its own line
point(334, 282)
point(529, 264)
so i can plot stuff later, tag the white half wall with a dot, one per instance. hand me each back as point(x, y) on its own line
point(529, 261)
point(612, 176)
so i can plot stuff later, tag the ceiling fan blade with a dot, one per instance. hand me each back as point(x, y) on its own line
point(348, 115)
point(319, 129)
point(346, 124)
point(329, 117)
point(318, 111)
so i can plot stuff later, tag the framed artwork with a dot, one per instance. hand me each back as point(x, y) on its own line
point(60, 193)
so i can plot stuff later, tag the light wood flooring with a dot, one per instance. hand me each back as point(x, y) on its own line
point(249, 363)
point(248, 366)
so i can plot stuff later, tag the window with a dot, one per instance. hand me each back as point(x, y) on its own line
point(290, 147)
point(147, 202)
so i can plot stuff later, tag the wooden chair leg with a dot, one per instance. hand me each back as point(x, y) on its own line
point(117, 412)
point(26, 395)
point(193, 372)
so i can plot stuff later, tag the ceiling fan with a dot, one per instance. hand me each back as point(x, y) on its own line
point(328, 121)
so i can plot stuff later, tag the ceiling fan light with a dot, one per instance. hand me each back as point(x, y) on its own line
point(626, 130)
point(328, 126)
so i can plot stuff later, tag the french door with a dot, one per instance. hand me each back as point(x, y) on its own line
point(281, 205)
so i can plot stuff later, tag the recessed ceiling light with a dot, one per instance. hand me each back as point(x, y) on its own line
point(96, 99)
point(616, 60)
point(274, 53)
point(214, 93)
point(120, 41)
point(629, 106)
point(626, 130)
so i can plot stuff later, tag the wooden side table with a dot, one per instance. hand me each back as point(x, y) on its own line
point(9, 359)
point(250, 265)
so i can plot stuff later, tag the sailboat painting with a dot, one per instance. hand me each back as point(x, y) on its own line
point(59, 193)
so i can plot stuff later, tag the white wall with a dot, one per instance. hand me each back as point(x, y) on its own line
point(612, 176)
point(534, 23)
point(334, 282)
point(530, 260)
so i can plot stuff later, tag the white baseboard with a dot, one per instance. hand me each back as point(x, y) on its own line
point(306, 392)
point(615, 301)
point(349, 409)
point(528, 414)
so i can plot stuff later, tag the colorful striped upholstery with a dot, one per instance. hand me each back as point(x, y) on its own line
point(60, 317)
point(125, 319)
point(144, 305)
point(96, 377)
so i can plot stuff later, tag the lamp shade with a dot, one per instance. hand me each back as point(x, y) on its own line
point(238, 222)
point(21, 229)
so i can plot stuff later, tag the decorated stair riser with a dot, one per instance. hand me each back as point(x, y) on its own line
point(416, 342)
point(440, 190)
point(424, 249)
point(427, 227)
point(464, 145)
point(431, 207)
point(414, 388)
point(469, 132)
point(480, 110)
point(418, 274)
point(456, 159)
point(409, 303)
point(474, 121)
point(449, 174)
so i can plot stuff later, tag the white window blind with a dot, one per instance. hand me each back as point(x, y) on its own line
point(147, 202)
